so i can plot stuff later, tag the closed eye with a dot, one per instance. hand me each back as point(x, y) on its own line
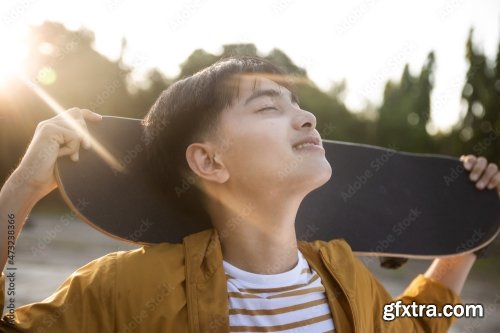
point(267, 108)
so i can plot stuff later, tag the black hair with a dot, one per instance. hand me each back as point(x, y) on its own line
point(188, 111)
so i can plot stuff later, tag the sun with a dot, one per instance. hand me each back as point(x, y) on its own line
point(12, 58)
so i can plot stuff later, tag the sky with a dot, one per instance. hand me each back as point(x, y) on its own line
point(365, 42)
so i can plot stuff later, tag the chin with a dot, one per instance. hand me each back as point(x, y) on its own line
point(316, 176)
point(324, 174)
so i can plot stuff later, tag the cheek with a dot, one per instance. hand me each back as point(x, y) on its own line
point(261, 149)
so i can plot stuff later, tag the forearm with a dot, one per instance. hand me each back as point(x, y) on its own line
point(34, 177)
point(452, 271)
point(16, 201)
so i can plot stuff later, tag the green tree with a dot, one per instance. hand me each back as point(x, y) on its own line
point(66, 65)
point(334, 119)
point(404, 113)
point(198, 60)
point(479, 129)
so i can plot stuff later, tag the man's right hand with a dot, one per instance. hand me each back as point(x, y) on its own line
point(34, 177)
point(53, 137)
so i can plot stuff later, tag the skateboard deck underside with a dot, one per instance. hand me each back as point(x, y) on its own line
point(382, 202)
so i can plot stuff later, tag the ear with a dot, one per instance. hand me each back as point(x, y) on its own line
point(203, 161)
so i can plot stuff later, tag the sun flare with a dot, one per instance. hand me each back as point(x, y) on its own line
point(12, 58)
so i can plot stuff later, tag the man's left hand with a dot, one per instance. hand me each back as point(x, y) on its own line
point(484, 174)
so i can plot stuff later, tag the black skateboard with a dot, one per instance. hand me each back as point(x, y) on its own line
point(381, 201)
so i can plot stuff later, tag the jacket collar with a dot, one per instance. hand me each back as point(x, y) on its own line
point(206, 288)
point(203, 255)
point(335, 264)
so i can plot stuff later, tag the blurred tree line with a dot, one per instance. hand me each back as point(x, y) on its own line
point(66, 65)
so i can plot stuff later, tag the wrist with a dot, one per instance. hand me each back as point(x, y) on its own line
point(451, 271)
point(19, 188)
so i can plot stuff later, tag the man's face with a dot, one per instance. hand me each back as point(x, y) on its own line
point(259, 133)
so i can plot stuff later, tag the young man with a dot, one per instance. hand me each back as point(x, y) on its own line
point(235, 127)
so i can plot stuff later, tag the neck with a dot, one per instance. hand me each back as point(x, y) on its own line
point(259, 235)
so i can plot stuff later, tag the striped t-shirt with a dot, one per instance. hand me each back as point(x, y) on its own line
point(294, 301)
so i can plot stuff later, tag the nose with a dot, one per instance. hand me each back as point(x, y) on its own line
point(304, 119)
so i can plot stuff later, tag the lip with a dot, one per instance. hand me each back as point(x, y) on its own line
point(309, 139)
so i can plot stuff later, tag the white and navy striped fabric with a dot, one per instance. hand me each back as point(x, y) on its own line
point(294, 301)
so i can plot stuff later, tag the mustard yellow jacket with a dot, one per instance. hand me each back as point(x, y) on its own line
point(182, 288)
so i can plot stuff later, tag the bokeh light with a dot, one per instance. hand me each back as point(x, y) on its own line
point(47, 75)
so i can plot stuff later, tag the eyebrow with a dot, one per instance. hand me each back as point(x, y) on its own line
point(260, 93)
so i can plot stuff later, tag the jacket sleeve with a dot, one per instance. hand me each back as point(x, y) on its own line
point(422, 290)
point(85, 302)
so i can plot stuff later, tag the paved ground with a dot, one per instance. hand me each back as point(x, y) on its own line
point(50, 249)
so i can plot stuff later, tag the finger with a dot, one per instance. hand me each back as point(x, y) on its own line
point(468, 160)
point(79, 127)
point(73, 150)
point(63, 151)
point(77, 113)
point(86, 113)
point(77, 123)
point(83, 132)
point(491, 170)
point(72, 112)
point(478, 168)
point(69, 143)
point(90, 115)
point(495, 181)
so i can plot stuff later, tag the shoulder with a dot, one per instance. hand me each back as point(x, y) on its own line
point(146, 276)
point(163, 253)
point(143, 265)
point(145, 256)
point(163, 259)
